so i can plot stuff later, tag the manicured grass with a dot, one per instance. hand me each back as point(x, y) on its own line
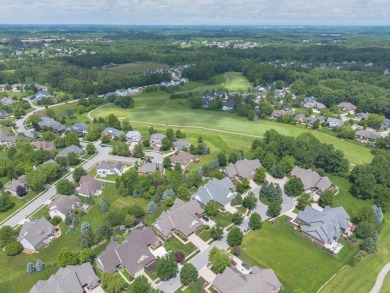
point(196, 287)
point(177, 114)
point(152, 274)
point(127, 275)
point(71, 106)
point(175, 245)
point(19, 202)
point(151, 218)
point(204, 234)
point(224, 219)
point(236, 81)
point(297, 262)
point(386, 284)
point(131, 68)
point(362, 277)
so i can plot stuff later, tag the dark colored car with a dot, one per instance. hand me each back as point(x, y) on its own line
point(245, 265)
point(234, 262)
point(206, 218)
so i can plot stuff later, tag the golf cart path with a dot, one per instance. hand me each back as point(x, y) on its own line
point(380, 279)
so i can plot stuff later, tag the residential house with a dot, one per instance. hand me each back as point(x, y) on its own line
point(181, 144)
point(121, 93)
point(34, 234)
point(156, 139)
point(41, 95)
point(105, 168)
point(134, 136)
point(206, 102)
point(44, 145)
point(15, 183)
point(279, 113)
point(315, 105)
point(7, 101)
point(219, 191)
point(362, 116)
point(184, 80)
point(183, 158)
point(310, 99)
point(300, 118)
point(367, 135)
point(62, 205)
point(133, 90)
point(259, 88)
point(90, 186)
point(227, 106)
point(310, 120)
point(259, 280)
point(347, 107)
point(112, 132)
point(71, 149)
point(107, 95)
point(242, 169)
point(279, 94)
point(150, 167)
point(323, 227)
point(6, 138)
point(51, 123)
point(182, 218)
point(134, 253)
point(3, 114)
point(311, 180)
point(80, 128)
point(75, 279)
point(334, 122)
point(386, 124)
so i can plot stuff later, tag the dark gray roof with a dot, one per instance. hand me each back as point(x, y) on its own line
point(50, 122)
point(77, 127)
point(13, 185)
point(64, 203)
point(386, 124)
point(242, 168)
point(150, 168)
point(133, 253)
point(181, 217)
point(180, 144)
point(362, 115)
point(107, 165)
point(3, 113)
point(112, 131)
point(36, 232)
point(228, 104)
point(70, 279)
point(216, 190)
point(368, 134)
point(259, 280)
point(326, 225)
point(334, 122)
point(70, 149)
point(311, 179)
point(89, 185)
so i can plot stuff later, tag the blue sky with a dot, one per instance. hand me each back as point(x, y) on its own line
point(195, 12)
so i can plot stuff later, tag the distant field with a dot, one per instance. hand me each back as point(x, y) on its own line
point(236, 81)
point(131, 68)
point(161, 110)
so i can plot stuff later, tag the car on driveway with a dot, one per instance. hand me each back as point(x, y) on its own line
point(234, 262)
point(245, 265)
point(247, 229)
point(103, 145)
point(206, 218)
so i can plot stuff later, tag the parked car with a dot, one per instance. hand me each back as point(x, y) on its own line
point(245, 265)
point(206, 218)
point(247, 229)
point(234, 262)
point(103, 145)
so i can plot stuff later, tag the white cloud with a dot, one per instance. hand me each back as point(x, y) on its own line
point(196, 11)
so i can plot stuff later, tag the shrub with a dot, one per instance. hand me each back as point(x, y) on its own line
point(13, 248)
point(56, 220)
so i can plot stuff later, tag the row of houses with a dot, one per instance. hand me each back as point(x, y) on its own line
point(123, 92)
point(174, 82)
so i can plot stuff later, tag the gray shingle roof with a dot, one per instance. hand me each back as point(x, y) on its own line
point(70, 279)
point(216, 190)
point(36, 232)
point(311, 179)
point(112, 131)
point(50, 122)
point(326, 225)
point(89, 185)
point(13, 185)
point(77, 127)
point(70, 149)
point(150, 168)
point(242, 168)
point(334, 122)
point(368, 134)
point(107, 165)
point(181, 217)
point(64, 203)
point(347, 106)
point(180, 144)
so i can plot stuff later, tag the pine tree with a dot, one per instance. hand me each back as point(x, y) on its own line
point(30, 268)
point(40, 266)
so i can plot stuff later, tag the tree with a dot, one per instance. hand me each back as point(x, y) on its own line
point(288, 163)
point(112, 121)
point(183, 192)
point(179, 256)
point(59, 142)
point(260, 175)
point(21, 191)
point(222, 159)
point(178, 168)
point(75, 221)
point(266, 109)
point(7, 235)
point(369, 245)
point(78, 173)
point(235, 237)
point(365, 230)
point(138, 151)
point(294, 187)
point(71, 138)
point(39, 265)
point(166, 144)
point(166, 267)
point(6, 203)
point(56, 220)
point(169, 201)
point(152, 207)
point(140, 285)
point(188, 274)
point(129, 220)
point(274, 209)
point(219, 259)
point(13, 248)
point(65, 187)
point(170, 134)
point(378, 214)
point(237, 218)
point(211, 209)
point(66, 257)
point(167, 162)
point(269, 160)
point(104, 205)
point(326, 198)
point(90, 149)
point(112, 283)
point(126, 125)
point(73, 159)
point(303, 201)
point(30, 268)
point(216, 232)
point(85, 227)
point(105, 139)
point(382, 197)
point(255, 221)
point(375, 121)
point(250, 201)
point(136, 211)
point(86, 255)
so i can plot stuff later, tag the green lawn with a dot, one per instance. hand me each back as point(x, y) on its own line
point(362, 277)
point(151, 218)
point(196, 287)
point(19, 202)
point(152, 274)
point(204, 234)
point(160, 111)
point(236, 81)
point(297, 262)
point(175, 245)
point(131, 68)
point(224, 219)
point(386, 284)
point(71, 106)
